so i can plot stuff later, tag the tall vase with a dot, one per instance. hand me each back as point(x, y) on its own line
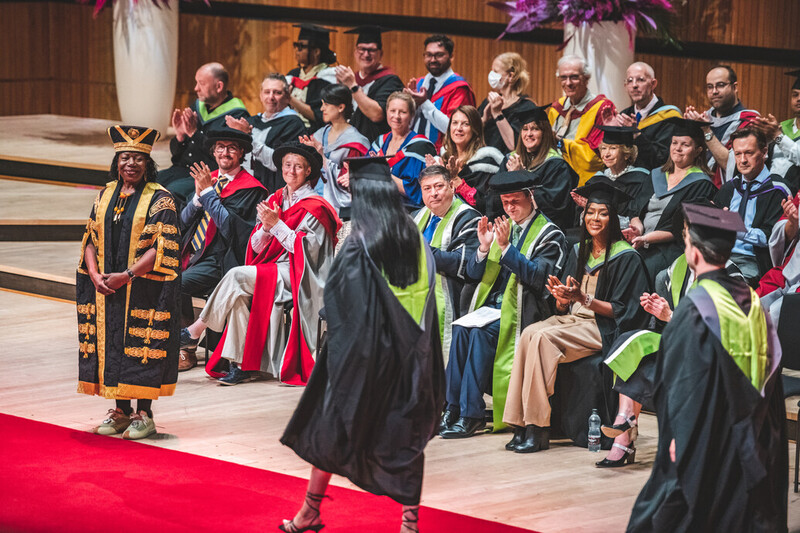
point(608, 48)
point(146, 61)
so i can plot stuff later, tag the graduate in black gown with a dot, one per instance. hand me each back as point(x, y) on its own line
point(374, 398)
point(721, 463)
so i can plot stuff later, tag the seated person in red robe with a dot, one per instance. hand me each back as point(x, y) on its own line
point(289, 254)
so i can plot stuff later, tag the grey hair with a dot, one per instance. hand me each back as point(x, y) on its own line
point(571, 59)
point(287, 89)
point(647, 68)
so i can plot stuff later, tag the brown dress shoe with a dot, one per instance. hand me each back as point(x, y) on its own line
point(187, 359)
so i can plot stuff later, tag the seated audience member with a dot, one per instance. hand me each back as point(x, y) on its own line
point(598, 299)
point(313, 72)
point(726, 115)
point(371, 85)
point(470, 161)
point(192, 124)
point(648, 114)
point(405, 148)
point(618, 152)
point(684, 178)
point(337, 141)
point(784, 277)
point(449, 226)
point(275, 125)
point(502, 108)
point(629, 356)
point(440, 92)
point(576, 115)
point(511, 266)
point(288, 257)
point(536, 152)
point(757, 199)
point(216, 223)
point(785, 138)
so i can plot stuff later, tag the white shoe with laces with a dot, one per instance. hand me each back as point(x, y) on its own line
point(141, 426)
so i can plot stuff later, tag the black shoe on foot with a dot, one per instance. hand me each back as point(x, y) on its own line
point(187, 341)
point(449, 418)
point(463, 428)
point(536, 439)
point(519, 436)
point(236, 376)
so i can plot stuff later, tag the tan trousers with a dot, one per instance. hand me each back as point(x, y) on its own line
point(541, 347)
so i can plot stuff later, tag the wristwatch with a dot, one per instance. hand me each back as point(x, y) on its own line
point(708, 136)
point(779, 138)
point(354, 89)
point(130, 273)
point(499, 117)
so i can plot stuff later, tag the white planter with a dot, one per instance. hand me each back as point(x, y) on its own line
point(145, 61)
point(607, 48)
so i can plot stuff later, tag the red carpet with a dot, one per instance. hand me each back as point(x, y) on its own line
point(59, 479)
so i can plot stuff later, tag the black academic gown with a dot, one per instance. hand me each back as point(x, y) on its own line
point(272, 134)
point(374, 398)
point(586, 384)
point(637, 183)
point(477, 172)
point(554, 179)
point(192, 150)
point(313, 98)
point(378, 90)
point(491, 135)
point(654, 141)
point(731, 449)
point(768, 200)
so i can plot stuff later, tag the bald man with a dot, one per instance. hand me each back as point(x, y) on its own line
point(191, 124)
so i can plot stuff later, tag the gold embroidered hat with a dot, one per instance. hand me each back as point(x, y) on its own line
point(133, 138)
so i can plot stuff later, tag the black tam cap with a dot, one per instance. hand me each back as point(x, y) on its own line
point(225, 133)
point(133, 138)
point(369, 34)
point(796, 75)
point(312, 33)
point(296, 147)
point(369, 168)
point(602, 190)
point(535, 114)
point(618, 134)
point(683, 127)
point(509, 182)
point(714, 226)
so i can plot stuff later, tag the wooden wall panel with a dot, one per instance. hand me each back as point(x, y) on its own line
point(55, 58)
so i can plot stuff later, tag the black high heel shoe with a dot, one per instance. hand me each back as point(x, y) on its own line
point(627, 458)
point(311, 499)
point(618, 429)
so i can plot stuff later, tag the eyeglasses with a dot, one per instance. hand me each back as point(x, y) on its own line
point(300, 46)
point(363, 51)
point(231, 148)
point(437, 55)
point(719, 86)
point(571, 77)
point(639, 81)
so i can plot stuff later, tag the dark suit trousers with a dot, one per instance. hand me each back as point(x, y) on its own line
point(469, 369)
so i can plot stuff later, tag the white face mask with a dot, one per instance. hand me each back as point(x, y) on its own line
point(494, 80)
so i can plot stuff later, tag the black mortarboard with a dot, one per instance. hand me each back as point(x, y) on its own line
point(315, 34)
point(602, 190)
point(714, 226)
point(796, 74)
point(618, 134)
point(296, 147)
point(534, 114)
point(369, 34)
point(133, 138)
point(515, 181)
point(369, 168)
point(226, 133)
point(683, 127)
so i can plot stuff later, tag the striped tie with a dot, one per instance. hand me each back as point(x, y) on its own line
point(200, 233)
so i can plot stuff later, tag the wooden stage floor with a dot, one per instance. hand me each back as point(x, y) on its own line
point(556, 490)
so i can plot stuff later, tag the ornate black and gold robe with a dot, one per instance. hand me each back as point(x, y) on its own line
point(128, 341)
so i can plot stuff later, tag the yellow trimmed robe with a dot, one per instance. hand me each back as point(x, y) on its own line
point(128, 341)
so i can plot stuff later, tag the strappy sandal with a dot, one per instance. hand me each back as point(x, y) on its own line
point(627, 458)
point(313, 501)
point(618, 429)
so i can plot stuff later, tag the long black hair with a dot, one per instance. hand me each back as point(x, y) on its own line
point(585, 247)
point(392, 240)
point(150, 168)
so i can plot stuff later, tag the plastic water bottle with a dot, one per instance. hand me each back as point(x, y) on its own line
point(594, 432)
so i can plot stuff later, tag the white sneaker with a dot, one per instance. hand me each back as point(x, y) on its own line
point(141, 426)
point(116, 422)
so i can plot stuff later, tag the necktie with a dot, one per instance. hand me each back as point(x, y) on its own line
point(199, 237)
point(423, 122)
point(745, 198)
point(638, 117)
point(516, 231)
point(431, 229)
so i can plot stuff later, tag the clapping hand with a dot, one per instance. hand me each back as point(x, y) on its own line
point(485, 234)
point(344, 177)
point(579, 200)
point(189, 121)
point(345, 75)
point(692, 114)
point(454, 166)
point(625, 120)
point(769, 125)
point(418, 96)
point(502, 231)
point(202, 176)
point(630, 233)
point(240, 124)
point(268, 216)
point(790, 212)
point(312, 142)
point(656, 306)
point(514, 162)
point(495, 103)
point(564, 294)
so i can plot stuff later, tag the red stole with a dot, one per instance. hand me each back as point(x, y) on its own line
point(380, 73)
point(301, 84)
point(298, 360)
